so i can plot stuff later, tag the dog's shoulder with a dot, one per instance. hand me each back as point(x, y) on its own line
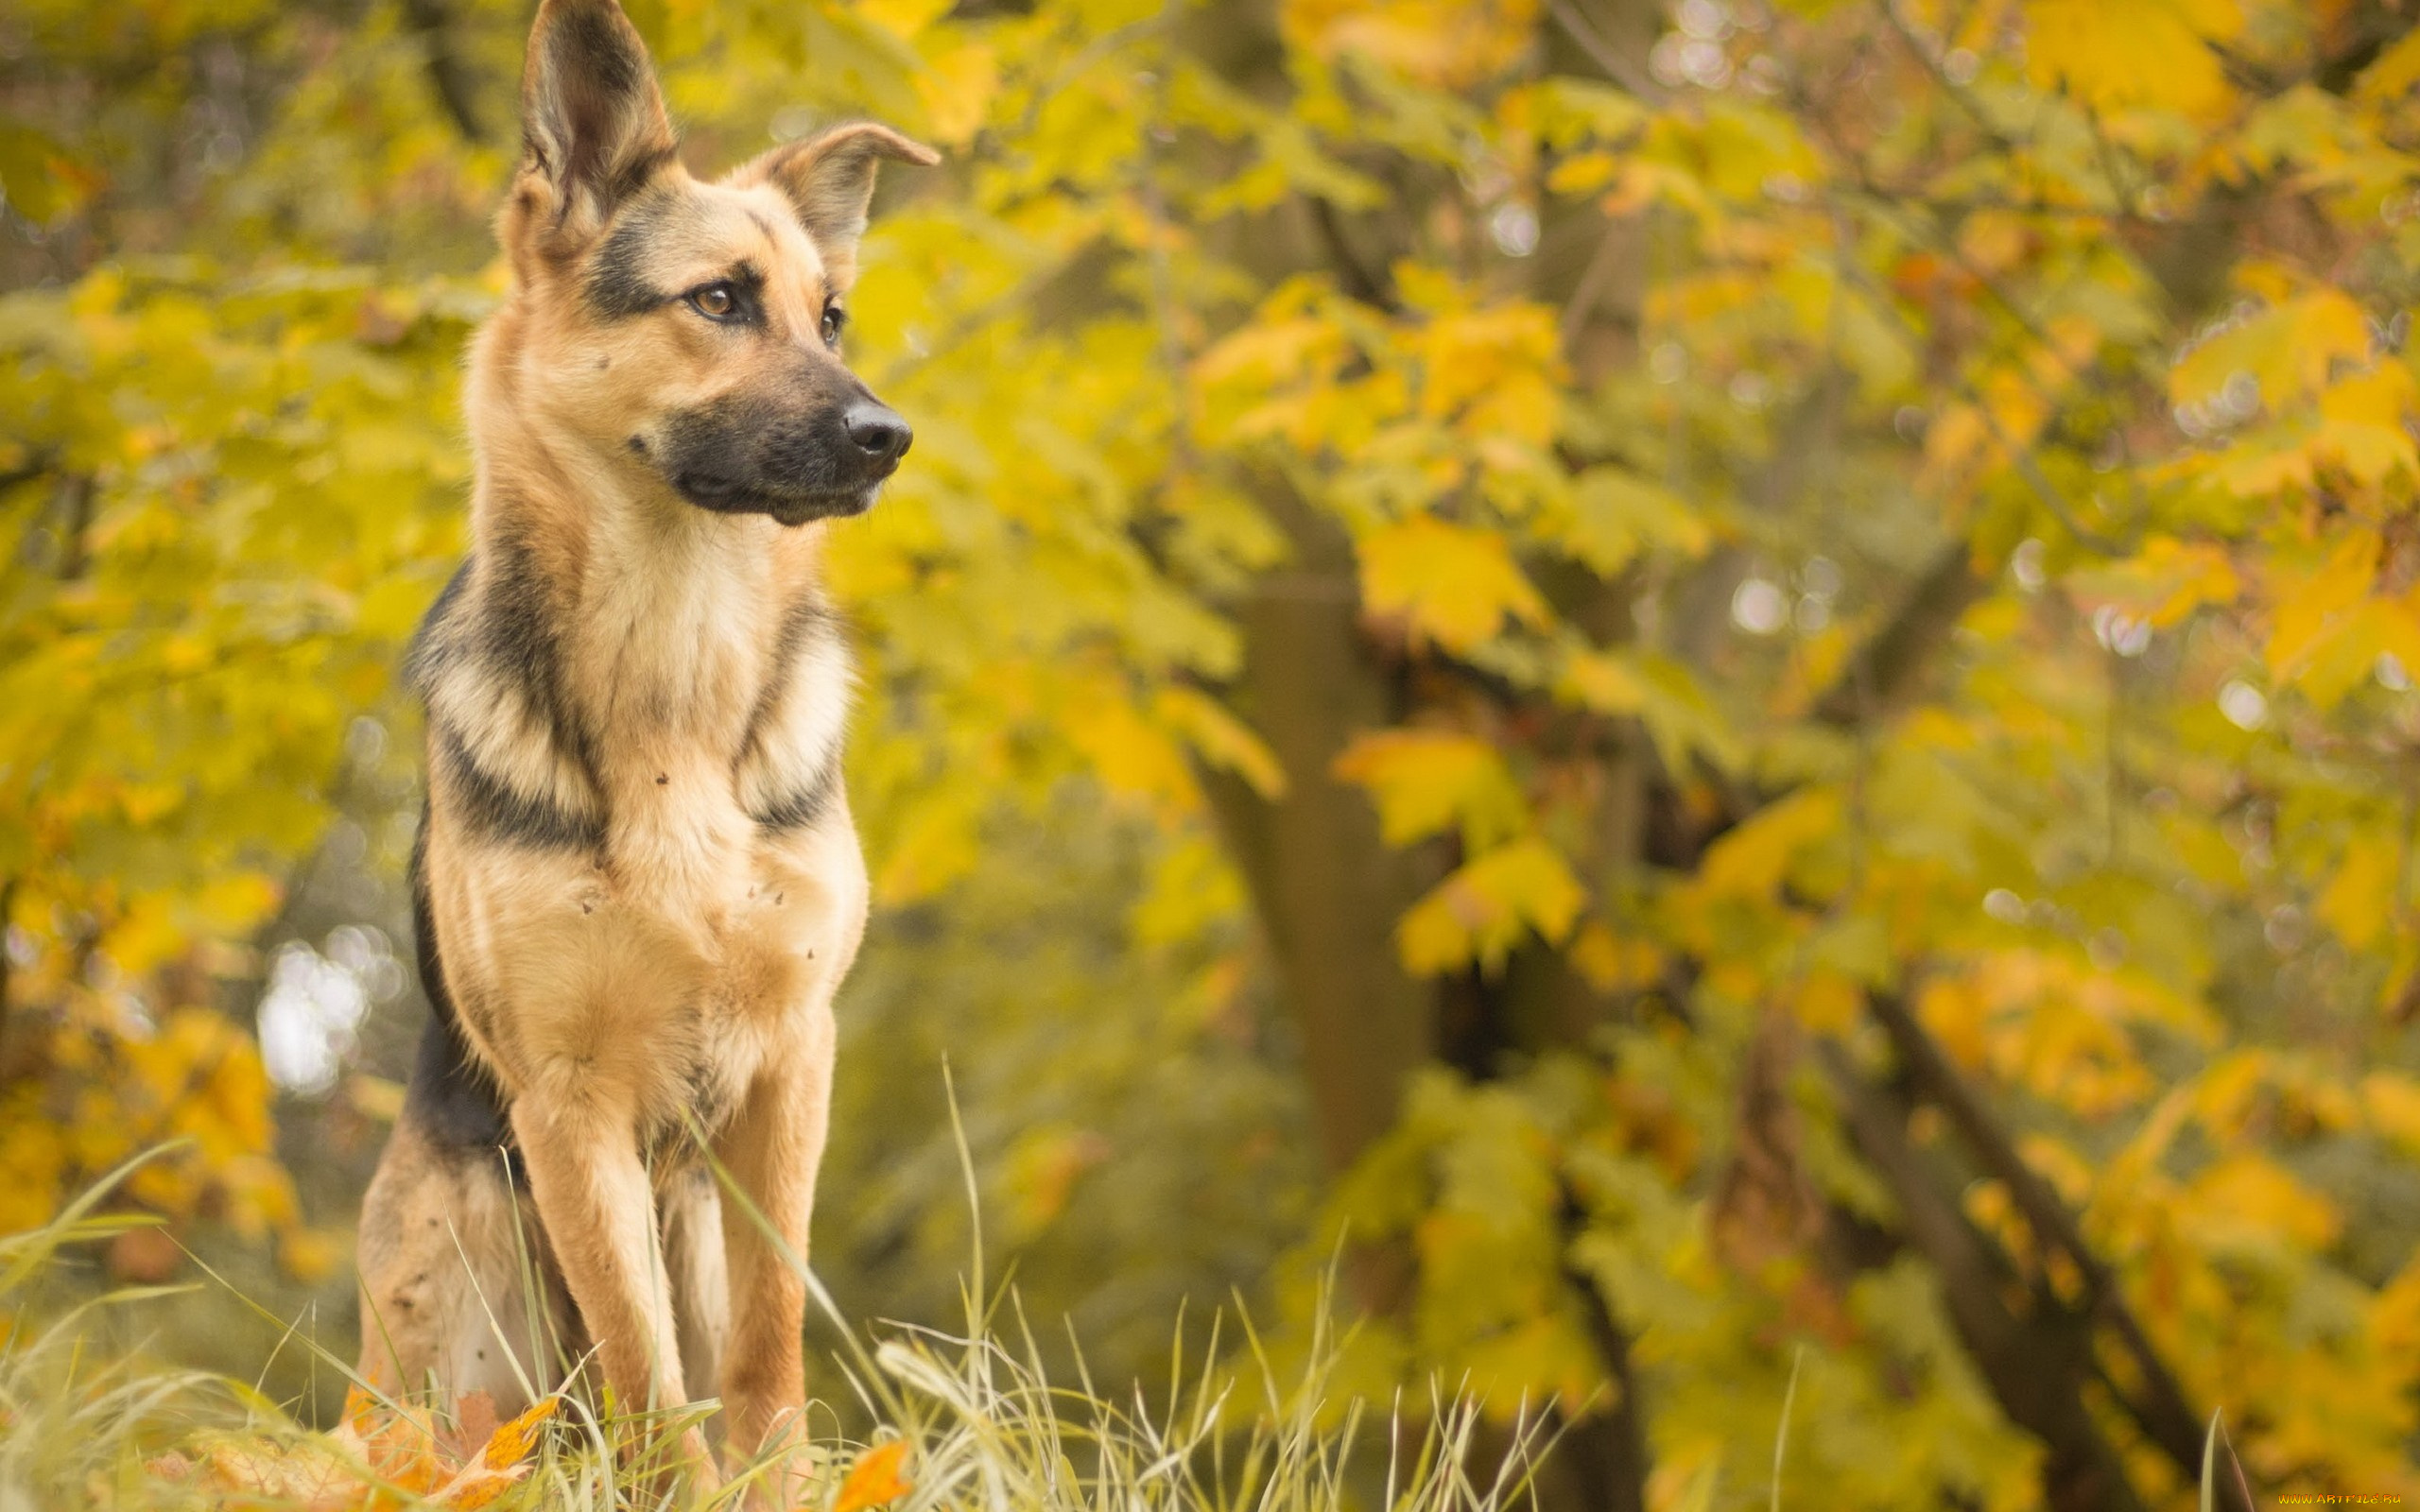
point(787, 766)
point(434, 641)
point(507, 751)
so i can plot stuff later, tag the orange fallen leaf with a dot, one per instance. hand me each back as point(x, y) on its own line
point(499, 1465)
point(398, 1443)
point(874, 1479)
point(480, 1483)
point(512, 1442)
point(248, 1470)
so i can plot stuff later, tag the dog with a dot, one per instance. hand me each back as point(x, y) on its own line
point(636, 884)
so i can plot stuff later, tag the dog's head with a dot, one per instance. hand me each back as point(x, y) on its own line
point(688, 328)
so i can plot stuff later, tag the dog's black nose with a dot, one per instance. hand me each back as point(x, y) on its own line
point(878, 431)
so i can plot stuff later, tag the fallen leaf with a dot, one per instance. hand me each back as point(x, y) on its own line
point(874, 1479)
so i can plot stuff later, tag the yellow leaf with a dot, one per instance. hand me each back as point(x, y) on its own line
point(2171, 578)
point(1613, 515)
point(956, 89)
point(2288, 350)
point(2135, 53)
point(1496, 366)
point(250, 1470)
point(1828, 1003)
point(1485, 908)
point(874, 1479)
point(2360, 898)
point(1131, 754)
point(904, 19)
point(1447, 44)
point(1611, 963)
point(2361, 423)
point(477, 1485)
point(1423, 781)
point(1221, 739)
point(1752, 859)
point(399, 1444)
point(512, 1442)
point(1452, 584)
point(2316, 606)
point(2393, 1102)
point(2249, 1199)
point(310, 1254)
point(934, 846)
point(1603, 681)
point(2392, 73)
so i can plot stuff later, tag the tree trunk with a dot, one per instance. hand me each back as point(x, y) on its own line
point(1328, 890)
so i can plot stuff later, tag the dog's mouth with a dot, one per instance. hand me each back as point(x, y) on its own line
point(789, 507)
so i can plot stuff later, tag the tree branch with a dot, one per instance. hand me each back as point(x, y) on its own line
point(2163, 1414)
point(1602, 53)
point(1365, 285)
point(432, 21)
point(2037, 1363)
point(7, 906)
point(1885, 669)
point(1611, 1447)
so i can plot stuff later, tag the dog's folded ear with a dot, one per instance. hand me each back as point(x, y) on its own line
point(829, 180)
point(593, 125)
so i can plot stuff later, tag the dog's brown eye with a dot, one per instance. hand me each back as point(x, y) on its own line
point(835, 319)
point(715, 300)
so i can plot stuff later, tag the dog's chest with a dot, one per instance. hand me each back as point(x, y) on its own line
point(690, 977)
point(677, 924)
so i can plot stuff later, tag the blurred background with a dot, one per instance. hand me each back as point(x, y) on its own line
point(1696, 691)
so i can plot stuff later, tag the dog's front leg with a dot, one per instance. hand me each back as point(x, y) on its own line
point(599, 1210)
point(772, 1149)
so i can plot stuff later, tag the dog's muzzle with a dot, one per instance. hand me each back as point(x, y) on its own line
point(796, 465)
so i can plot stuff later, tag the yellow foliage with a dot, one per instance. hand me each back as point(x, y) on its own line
point(1446, 43)
point(1601, 681)
point(1614, 963)
point(2393, 1103)
point(2170, 579)
point(1221, 739)
point(1426, 781)
point(2289, 350)
point(1752, 860)
point(2311, 609)
point(1828, 1002)
point(2246, 1198)
point(1478, 914)
point(956, 89)
point(2359, 900)
point(2147, 53)
point(1452, 584)
point(2363, 424)
point(2047, 316)
point(1132, 755)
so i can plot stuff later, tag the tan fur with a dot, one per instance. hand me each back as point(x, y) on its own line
point(678, 683)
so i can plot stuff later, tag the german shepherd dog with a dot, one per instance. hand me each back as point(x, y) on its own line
point(636, 882)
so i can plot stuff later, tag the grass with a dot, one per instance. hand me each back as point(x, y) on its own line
point(983, 1426)
point(979, 1424)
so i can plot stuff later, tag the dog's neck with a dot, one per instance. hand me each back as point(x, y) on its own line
point(667, 614)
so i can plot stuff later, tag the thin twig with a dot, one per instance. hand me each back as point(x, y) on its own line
point(1603, 54)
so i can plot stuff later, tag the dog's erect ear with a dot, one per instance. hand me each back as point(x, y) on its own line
point(592, 127)
point(829, 180)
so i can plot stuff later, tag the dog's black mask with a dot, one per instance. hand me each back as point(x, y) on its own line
point(748, 454)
